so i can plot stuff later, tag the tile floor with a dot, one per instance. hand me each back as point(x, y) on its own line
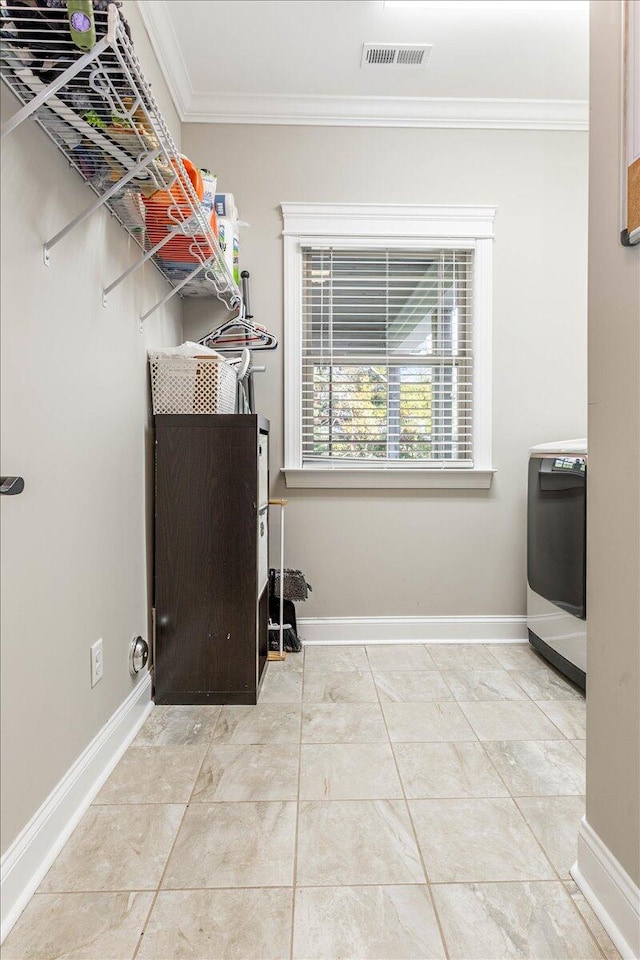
point(380, 803)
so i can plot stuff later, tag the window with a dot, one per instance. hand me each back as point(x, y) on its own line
point(387, 334)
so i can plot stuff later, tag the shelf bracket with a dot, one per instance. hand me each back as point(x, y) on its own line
point(177, 288)
point(134, 266)
point(102, 199)
point(77, 67)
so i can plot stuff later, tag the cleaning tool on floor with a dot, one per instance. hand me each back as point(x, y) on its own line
point(285, 587)
point(280, 626)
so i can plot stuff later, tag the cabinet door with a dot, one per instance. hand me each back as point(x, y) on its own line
point(206, 564)
point(263, 469)
point(263, 548)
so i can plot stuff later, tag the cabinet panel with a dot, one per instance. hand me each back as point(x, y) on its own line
point(263, 469)
point(263, 548)
point(206, 571)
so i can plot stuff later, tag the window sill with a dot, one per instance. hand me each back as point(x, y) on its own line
point(380, 479)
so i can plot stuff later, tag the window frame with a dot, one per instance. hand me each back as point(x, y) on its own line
point(380, 226)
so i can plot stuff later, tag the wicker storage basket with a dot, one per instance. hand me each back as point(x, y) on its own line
point(192, 385)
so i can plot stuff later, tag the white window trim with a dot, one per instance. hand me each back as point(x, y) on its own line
point(416, 227)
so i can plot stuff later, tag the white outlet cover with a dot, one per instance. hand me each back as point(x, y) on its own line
point(97, 666)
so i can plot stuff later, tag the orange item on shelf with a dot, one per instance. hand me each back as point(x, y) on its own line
point(167, 207)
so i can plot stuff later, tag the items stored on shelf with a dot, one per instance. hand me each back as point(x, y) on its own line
point(98, 109)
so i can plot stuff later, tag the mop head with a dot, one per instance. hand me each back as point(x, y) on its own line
point(295, 585)
point(290, 640)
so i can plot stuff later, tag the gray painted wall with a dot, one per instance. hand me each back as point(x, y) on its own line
point(424, 553)
point(75, 424)
point(613, 547)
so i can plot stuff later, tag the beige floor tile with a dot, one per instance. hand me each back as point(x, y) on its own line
point(483, 685)
point(365, 923)
point(403, 686)
point(284, 686)
point(334, 657)
point(462, 656)
point(477, 840)
point(293, 663)
point(519, 656)
point(529, 921)
point(426, 722)
point(348, 686)
point(154, 775)
point(569, 716)
point(546, 686)
point(441, 770)
point(510, 720)
point(215, 924)
point(538, 768)
point(264, 723)
point(116, 848)
point(581, 746)
point(79, 926)
point(392, 657)
point(234, 845)
point(348, 771)
point(356, 842)
point(177, 726)
point(555, 821)
point(255, 771)
point(604, 940)
point(343, 723)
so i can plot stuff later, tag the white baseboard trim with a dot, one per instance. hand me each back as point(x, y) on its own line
point(610, 891)
point(345, 630)
point(33, 851)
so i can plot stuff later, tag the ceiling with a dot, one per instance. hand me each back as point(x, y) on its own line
point(298, 61)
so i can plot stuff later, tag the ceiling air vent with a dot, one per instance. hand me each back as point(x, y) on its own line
point(396, 54)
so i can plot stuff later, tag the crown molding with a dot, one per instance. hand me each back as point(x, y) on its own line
point(429, 112)
point(164, 42)
point(425, 112)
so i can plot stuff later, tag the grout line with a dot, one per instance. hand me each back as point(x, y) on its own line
point(294, 878)
point(561, 879)
point(487, 796)
point(162, 875)
point(413, 828)
point(583, 919)
point(303, 886)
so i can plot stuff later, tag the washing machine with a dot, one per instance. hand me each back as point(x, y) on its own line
point(556, 555)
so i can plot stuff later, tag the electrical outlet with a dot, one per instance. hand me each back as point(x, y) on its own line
point(97, 665)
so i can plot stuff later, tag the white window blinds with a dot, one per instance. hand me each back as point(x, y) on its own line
point(387, 363)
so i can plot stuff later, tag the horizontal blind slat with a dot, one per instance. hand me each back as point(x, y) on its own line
point(387, 356)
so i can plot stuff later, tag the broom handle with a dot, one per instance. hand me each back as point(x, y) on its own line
point(282, 504)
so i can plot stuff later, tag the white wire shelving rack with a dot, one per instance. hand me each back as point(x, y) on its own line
point(98, 109)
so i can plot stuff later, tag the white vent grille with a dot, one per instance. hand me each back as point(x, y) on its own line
point(395, 54)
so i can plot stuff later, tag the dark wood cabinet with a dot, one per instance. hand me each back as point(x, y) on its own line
point(211, 567)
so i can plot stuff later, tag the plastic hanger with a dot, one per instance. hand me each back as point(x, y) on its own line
point(238, 333)
point(241, 332)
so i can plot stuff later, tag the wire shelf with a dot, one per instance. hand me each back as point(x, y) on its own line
point(98, 109)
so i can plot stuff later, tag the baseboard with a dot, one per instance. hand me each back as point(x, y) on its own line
point(345, 630)
point(31, 854)
point(608, 888)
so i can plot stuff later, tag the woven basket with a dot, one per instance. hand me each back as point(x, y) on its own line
point(192, 385)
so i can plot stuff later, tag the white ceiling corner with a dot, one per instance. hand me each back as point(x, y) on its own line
point(159, 26)
point(227, 106)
